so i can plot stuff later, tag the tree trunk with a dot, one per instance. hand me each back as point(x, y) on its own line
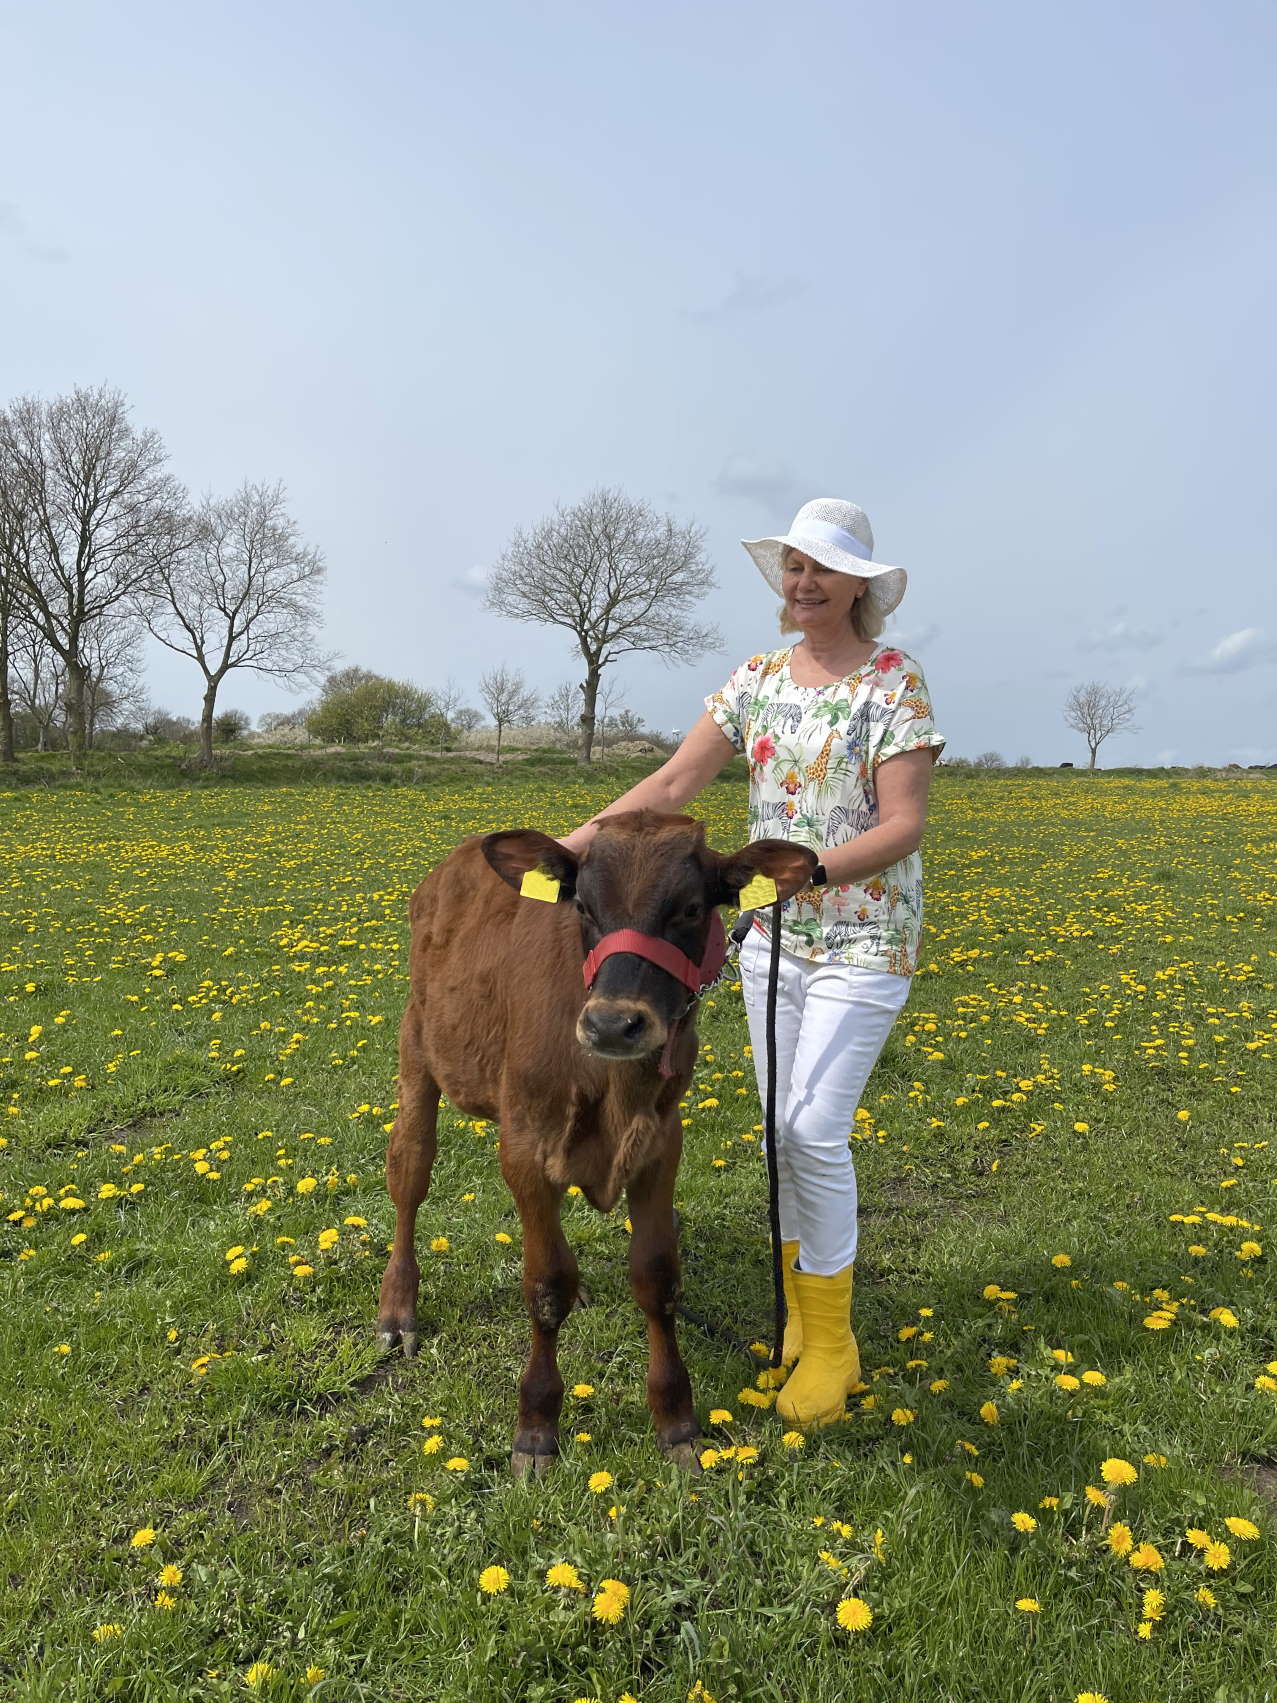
point(1094, 749)
point(206, 725)
point(590, 691)
point(7, 752)
point(75, 711)
point(499, 732)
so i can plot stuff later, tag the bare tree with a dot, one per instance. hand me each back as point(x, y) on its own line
point(990, 760)
point(10, 612)
point(606, 706)
point(563, 712)
point(39, 681)
point(1096, 711)
point(510, 700)
point(245, 594)
point(100, 515)
point(114, 684)
point(449, 702)
point(615, 574)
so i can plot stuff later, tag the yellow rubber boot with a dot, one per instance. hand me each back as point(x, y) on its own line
point(793, 1344)
point(830, 1367)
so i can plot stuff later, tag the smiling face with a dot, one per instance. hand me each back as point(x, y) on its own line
point(818, 599)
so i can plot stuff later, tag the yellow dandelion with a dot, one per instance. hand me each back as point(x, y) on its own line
point(582, 1391)
point(142, 1538)
point(1028, 1605)
point(721, 1416)
point(1095, 1379)
point(458, 1463)
point(1207, 1598)
point(1023, 1522)
point(170, 1575)
point(1247, 1530)
point(109, 1629)
point(903, 1416)
point(493, 1580)
point(1119, 1538)
point(1061, 1259)
point(1066, 1381)
point(600, 1481)
point(1217, 1556)
point(1145, 1558)
point(855, 1614)
point(989, 1413)
point(565, 1576)
point(1223, 1316)
point(259, 1676)
point(1117, 1471)
point(794, 1440)
point(1153, 1604)
point(1095, 1496)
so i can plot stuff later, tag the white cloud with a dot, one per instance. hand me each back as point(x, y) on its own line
point(1121, 635)
point(1236, 651)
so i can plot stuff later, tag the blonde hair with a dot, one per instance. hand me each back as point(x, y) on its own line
point(866, 622)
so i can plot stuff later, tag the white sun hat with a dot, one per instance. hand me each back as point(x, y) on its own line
point(837, 535)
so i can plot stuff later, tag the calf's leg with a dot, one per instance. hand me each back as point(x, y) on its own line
point(655, 1282)
point(410, 1158)
point(549, 1291)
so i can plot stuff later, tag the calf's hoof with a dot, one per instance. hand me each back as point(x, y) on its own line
point(524, 1464)
point(685, 1456)
point(391, 1336)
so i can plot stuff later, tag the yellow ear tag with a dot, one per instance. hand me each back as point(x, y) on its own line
point(760, 891)
point(536, 884)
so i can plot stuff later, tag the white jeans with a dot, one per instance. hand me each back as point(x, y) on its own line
point(831, 1023)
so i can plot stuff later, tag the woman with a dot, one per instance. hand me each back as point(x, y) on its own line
point(839, 736)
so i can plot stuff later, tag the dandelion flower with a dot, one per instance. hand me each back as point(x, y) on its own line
point(600, 1481)
point(439, 1244)
point(721, 1416)
point(111, 1629)
point(1156, 1460)
point(1144, 1629)
point(170, 1575)
point(1223, 1316)
point(989, 1413)
point(1061, 1259)
point(431, 1445)
point(1207, 1598)
point(165, 1600)
point(1028, 1605)
point(974, 1479)
point(1217, 1556)
point(142, 1538)
point(1095, 1379)
point(1117, 1471)
point(855, 1615)
point(1198, 1538)
point(794, 1440)
point(1066, 1381)
point(1145, 1558)
point(1119, 1538)
point(314, 1675)
point(1154, 1604)
point(902, 1416)
point(1247, 1530)
point(1023, 1522)
point(1095, 1496)
point(259, 1676)
point(494, 1580)
point(608, 1608)
point(582, 1391)
point(565, 1576)
point(458, 1463)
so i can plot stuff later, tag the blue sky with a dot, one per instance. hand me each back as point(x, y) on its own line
point(1003, 275)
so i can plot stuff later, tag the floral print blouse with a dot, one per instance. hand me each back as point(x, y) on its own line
point(813, 752)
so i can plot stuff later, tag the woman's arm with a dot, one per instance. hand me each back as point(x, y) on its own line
point(902, 784)
point(698, 759)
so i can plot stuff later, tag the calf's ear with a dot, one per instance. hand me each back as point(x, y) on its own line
point(762, 872)
point(532, 863)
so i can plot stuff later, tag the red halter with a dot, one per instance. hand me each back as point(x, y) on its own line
point(695, 977)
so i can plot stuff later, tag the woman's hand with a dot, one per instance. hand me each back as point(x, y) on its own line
point(704, 751)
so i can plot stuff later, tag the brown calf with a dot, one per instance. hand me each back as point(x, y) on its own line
point(585, 1084)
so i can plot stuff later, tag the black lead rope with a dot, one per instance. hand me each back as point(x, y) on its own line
point(773, 1173)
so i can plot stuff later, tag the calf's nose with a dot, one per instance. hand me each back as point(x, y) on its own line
point(616, 1028)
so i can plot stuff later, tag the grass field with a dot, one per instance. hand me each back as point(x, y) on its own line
point(212, 1488)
